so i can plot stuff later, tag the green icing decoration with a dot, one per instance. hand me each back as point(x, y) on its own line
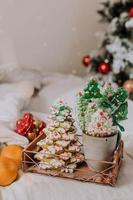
point(121, 112)
point(105, 98)
point(118, 97)
point(60, 110)
point(81, 111)
point(92, 91)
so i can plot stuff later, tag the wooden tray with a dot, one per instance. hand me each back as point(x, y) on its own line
point(82, 173)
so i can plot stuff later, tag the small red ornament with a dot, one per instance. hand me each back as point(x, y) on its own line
point(86, 60)
point(104, 68)
point(29, 126)
point(131, 12)
point(25, 124)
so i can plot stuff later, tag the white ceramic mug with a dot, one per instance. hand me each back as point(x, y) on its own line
point(99, 149)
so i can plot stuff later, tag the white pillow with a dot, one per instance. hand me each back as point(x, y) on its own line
point(53, 78)
point(23, 74)
point(56, 87)
point(9, 136)
point(13, 99)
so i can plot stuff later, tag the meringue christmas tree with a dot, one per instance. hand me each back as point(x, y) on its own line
point(91, 91)
point(101, 108)
point(60, 149)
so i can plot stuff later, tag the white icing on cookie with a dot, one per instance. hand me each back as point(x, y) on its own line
point(65, 156)
point(62, 143)
point(74, 148)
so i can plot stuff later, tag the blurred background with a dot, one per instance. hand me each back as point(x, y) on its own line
point(47, 34)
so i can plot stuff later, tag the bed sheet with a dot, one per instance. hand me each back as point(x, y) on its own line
point(34, 186)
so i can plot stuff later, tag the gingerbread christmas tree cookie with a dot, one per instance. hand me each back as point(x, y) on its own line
point(60, 149)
